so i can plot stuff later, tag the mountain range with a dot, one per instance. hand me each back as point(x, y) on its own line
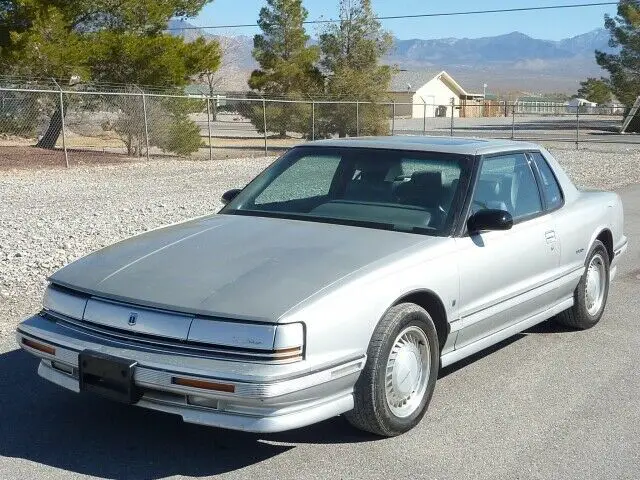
point(510, 62)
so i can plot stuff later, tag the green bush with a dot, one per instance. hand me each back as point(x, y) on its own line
point(181, 137)
point(168, 125)
point(19, 114)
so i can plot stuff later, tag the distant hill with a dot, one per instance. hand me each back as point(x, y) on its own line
point(511, 47)
point(513, 61)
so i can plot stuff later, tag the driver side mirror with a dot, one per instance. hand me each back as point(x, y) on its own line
point(230, 195)
point(489, 220)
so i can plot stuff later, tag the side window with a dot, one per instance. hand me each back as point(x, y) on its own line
point(308, 177)
point(506, 182)
point(550, 188)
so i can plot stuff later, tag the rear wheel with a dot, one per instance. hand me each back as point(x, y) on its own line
point(395, 388)
point(590, 296)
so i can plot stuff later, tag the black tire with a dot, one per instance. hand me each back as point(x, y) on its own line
point(371, 412)
point(578, 316)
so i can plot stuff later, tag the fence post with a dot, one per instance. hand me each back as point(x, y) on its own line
point(513, 121)
point(424, 117)
point(209, 127)
point(453, 109)
point(393, 118)
point(313, 120)
point(264, 118)
point(146, 122)
point(64, 129)
point(357, 118)
point(577, 127)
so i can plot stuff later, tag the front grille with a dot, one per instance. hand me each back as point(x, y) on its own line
point(158, 344)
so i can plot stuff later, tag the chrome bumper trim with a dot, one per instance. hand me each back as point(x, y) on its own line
point(266, 397)
point(258, 418)
point(161, 379)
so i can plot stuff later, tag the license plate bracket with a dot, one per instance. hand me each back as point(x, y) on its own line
point(108, 376)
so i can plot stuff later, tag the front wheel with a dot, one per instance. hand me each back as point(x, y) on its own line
point(395, 387)
point(590, 296)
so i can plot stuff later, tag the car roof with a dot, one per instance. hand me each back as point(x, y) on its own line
point(459, 145)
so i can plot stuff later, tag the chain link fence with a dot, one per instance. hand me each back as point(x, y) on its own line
point(90, 125)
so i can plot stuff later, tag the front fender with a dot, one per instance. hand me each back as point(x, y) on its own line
point(340, 322)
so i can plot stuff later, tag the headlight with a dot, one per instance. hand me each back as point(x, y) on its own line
point(275, 342)
point(232, 334)
point(289, 341)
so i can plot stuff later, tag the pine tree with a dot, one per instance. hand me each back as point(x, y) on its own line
point(100, 40)
point(287, 66)
point(623, 67)
point(595, 90)
point(352, 50)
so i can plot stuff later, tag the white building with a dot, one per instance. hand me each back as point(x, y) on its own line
point(580, 103)
point(420, 93)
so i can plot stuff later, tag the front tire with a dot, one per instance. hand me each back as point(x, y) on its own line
point(396, 385)
point(590, 296)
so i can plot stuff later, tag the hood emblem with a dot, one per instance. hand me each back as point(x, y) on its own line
point(133, 318)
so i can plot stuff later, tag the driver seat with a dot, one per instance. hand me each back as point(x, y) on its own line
point(424, 189)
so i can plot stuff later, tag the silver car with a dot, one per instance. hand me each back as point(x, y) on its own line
point(338, 281)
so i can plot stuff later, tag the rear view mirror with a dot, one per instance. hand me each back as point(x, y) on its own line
point(489, 220)
point(230, 195)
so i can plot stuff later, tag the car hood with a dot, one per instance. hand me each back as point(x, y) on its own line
point(235, 266)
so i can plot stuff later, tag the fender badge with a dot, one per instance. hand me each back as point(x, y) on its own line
point(133, 318)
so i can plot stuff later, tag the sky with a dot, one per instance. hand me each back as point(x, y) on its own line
point(548, 25)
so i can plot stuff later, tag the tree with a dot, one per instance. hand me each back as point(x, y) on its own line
point(158, 60)
point(623, 67)
point(214, 79)
point(595, 90)
point(100, 40)
point(352, 50)
point(287, 66)
point(36, 42)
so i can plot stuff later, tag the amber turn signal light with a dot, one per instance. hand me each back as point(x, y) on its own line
point(203, 384)
point(41, 347)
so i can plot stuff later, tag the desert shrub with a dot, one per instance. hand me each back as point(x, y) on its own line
point(181, 136)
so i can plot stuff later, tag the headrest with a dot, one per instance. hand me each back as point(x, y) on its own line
point(430, 180)
point(373, 175)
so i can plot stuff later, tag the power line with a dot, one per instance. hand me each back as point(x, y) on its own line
point(424, 15)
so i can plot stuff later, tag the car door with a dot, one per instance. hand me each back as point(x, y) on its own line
point(504, 275)
point(570, 232)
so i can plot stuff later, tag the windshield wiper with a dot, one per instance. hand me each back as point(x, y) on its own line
point(413, 229)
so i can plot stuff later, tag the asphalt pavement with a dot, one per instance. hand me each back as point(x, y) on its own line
point(549, 403)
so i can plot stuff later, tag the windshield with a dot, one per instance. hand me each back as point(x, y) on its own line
point(388, 189)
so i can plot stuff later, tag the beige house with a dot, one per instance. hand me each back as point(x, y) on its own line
point(423, 93)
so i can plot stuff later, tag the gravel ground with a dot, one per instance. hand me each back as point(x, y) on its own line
point(50, 217)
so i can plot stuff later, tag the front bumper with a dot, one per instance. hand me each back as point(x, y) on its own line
point(266, 397)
